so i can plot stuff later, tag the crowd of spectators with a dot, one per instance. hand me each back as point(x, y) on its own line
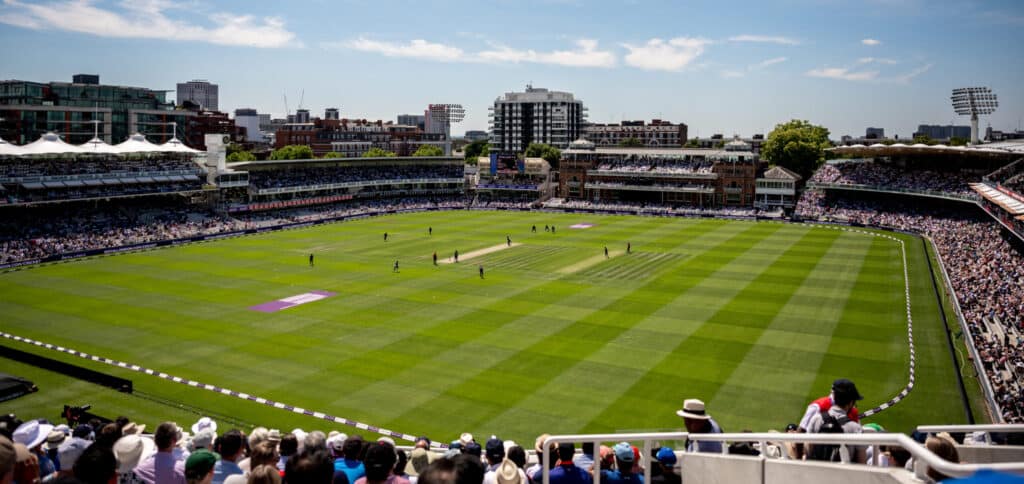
point(653, 209)
point(986, 272)
point(895, 178)
point(119, 166)
point(325, 175)
point(654, 164)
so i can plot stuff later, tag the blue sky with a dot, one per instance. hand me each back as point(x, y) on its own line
point(721, 67)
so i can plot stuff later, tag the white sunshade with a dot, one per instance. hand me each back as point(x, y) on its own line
point(9, 149)
point(176, 146)
point(48, 144)
point(97, 146)
point(137, 143)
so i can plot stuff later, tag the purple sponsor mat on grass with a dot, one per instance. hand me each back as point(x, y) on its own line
point(306, 297)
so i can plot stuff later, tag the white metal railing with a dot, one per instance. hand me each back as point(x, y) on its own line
point(986, 428)
point(923, 458)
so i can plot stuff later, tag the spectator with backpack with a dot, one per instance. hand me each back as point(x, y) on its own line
point(835, 420)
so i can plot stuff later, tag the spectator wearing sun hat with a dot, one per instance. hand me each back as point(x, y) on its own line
point(697, 421)
point(507, 473)
point(68, 453)
point(32, 435)
point(129, 452)
point(666, 460)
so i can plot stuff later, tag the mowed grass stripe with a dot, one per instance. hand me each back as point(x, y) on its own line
point(599, 345)
point(781, 368)
point(700, 356)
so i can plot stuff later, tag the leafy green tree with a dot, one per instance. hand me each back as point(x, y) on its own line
point(376, 152)
point(241, 156)
point(292, 152)
point(477, 149)
point(631, 143)
point(797, 145)
point(924, 139)
point(958, 141)
point(428, 150)
point(234, 148)
point(692, 143)
point(333, 154)
point(540, 150)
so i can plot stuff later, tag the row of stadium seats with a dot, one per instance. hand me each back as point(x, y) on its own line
point(633, 164)
point(309, 176)
point(892, 177)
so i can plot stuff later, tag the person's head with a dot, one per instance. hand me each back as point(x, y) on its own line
point(70, 451)
point(666, 458)
point(943, 447)
point(258, 434)
point(264, 474)
point(7, 460)
point(460, 469)
point(289, 445)
point(695, 416)
point(129, 451)
point(315, 467)
point(495, 451)
point(26, 466)
point(624, 457)
point(423, 442)
point(517, 455)
point(96, 465)
point(108, 434)
point(588, 448)
point(199, 466)
point(845, 394)
point(379, 462)
point(264, 453)
point(315, 440)
point(606, 456)
point(166, 436)
point(566, 450)
point(400, 463)
point(230, 445)
point(353, 447)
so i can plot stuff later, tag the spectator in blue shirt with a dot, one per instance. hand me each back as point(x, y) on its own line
point(624, 459)
point(352, 464)
point(565, 472)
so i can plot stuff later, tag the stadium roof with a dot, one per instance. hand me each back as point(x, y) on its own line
point(51, 144)
point(897, 149)
point(627, 151)
point(8, 149)
point(994, 195)
point(48, 144)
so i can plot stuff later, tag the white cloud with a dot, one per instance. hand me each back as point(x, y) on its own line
point(416, 48)
point(586, 54)
point(146, 19)
point(770, 39)
point(842, 73)
point(768, 62)
point(905, 78)
point(670, 55)
point(871, 42)
point(878, 60)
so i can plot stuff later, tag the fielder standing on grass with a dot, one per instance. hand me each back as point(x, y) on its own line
point(435, 257)
point(481, 271)
point(606, 252)
point(395, 269)
point(508, 240)
point(385, 236)
point(310, 260)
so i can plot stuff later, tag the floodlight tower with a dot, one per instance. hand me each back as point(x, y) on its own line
point(973, 101)
point(441, 118)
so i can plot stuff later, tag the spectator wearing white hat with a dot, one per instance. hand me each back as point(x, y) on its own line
point(67, 454)
point(697, 421)
point(32, 435)
point(129, 452)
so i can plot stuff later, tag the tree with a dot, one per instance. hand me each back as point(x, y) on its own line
point(476, 149)
point(333, 154)
point(958, 141)
point(692, 143)
point(234, 147)
point(241, 156)
point(797, 145)
point(292, 152)
point(540, 150)
point(630, 143)
point(924, 139)
point(428, 150)
point(376, 152)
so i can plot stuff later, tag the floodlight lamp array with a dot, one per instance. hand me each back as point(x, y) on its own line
point(972, 101)
point(452, 113)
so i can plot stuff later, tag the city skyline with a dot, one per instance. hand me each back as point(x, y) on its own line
point(740, 70)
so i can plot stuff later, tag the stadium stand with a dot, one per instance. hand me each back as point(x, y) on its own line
point(872, 174)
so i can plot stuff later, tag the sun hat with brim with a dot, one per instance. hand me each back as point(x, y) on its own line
point(32, 433)
point(508, 473)
point(693, 408)
point(132, 428)
point(130, 450)
point(70, 451)
point(274, 435)
point(205, 423)
point(55, 438)
point(419, 459)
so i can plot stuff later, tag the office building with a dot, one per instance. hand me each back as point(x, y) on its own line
point(943, 132)
point(536, 115)
point(249, 119)
point(332, 113)
point(874, 133)
point(417, 120)
point(199, 93)
point(472, 136)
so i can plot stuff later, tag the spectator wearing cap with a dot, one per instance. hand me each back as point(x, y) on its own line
point(665, 461)
point(351, 464)
point(163, 467)
point(495, 454)
point(288, 447)
point(96, 465)
point(697, 421)
point(844, 397)
point(231, 450)
point(565, 472)
point(625, 460)
point(474, 449)
point(823, 404)
point(199, 467)
point(129, 451)
point(68, 453)
point(32, 435)
point(380, 464)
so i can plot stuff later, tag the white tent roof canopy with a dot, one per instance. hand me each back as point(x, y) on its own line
point(51, 144)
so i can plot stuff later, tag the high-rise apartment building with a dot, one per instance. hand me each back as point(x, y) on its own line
point(535, 116)
point(199, 92)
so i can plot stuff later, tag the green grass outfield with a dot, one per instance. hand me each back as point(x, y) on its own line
point(756, 319)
